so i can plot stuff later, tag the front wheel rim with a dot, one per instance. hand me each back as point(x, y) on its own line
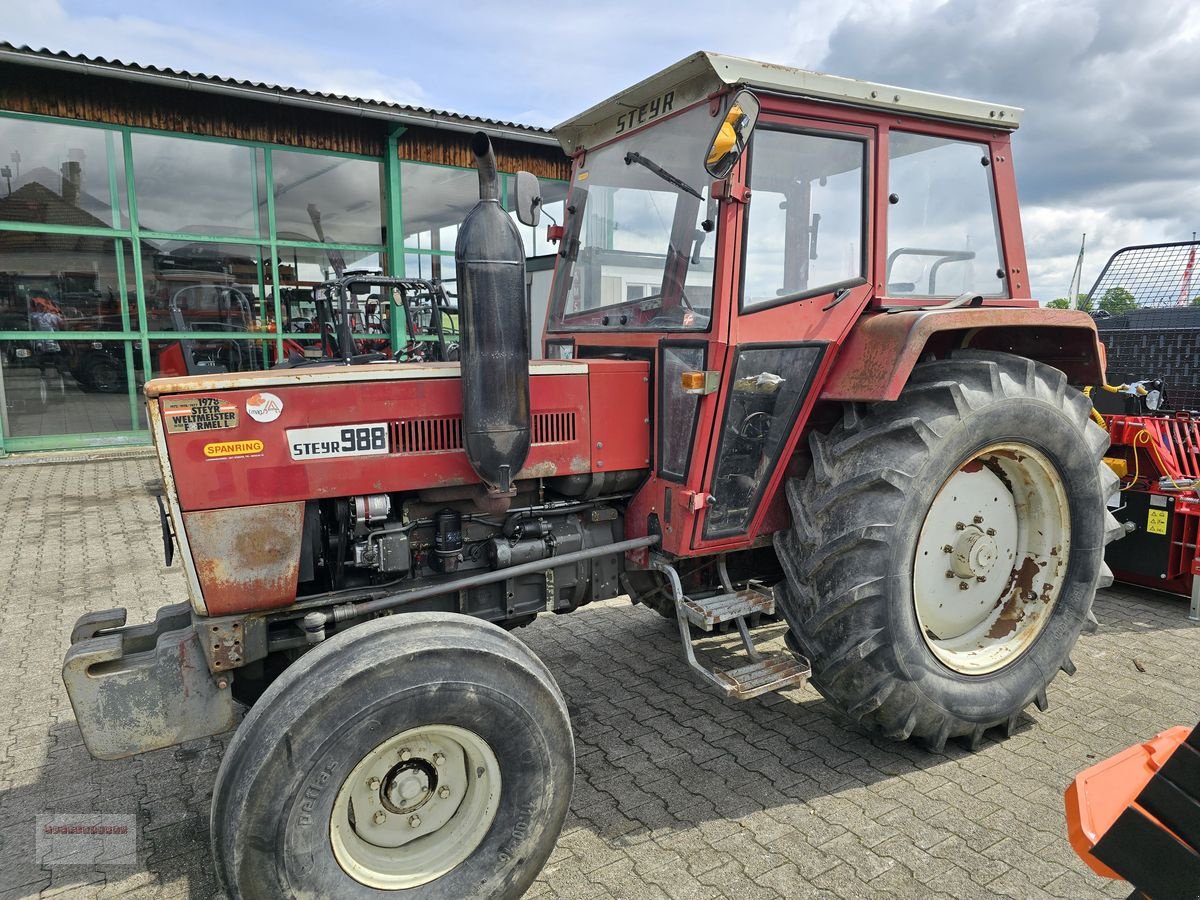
point(991, 558)
point(415, 807)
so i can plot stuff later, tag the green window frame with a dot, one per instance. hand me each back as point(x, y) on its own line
point(129, 238)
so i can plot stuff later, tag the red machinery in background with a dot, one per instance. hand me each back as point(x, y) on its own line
point(1150, 326)
point(1158, 460)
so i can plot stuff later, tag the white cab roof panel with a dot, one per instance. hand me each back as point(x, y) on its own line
point(701, 74)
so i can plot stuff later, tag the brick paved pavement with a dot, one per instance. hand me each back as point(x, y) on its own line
point(678, 792)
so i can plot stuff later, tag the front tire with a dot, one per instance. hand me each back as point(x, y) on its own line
point(416, 755)
point(946, 547)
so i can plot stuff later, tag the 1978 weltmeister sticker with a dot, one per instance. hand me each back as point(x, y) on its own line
point(187, 414)
point(338, 440)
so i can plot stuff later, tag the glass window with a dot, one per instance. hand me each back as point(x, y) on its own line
point(201, 286)
point(433, 202)
point(327, 198)
point(62, 282)
point(769, 386)
point(638, 251)
point(172, 358)
point(302, 272)
point(198, 187)
point(943, 237)
point(431, 266)
point(677, 410)
point(59, 174)
point(804, 229)
point(53, 385)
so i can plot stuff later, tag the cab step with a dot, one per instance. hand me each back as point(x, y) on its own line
point(762, 674)
point(708, 612)
point(771, 673)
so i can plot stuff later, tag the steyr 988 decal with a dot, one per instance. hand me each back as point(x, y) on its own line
point(338, 440)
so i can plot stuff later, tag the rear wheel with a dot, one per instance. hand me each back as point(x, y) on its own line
point(428, 754)
point(947, 546)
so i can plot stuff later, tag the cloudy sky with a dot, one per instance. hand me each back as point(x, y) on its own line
point(1109, 87)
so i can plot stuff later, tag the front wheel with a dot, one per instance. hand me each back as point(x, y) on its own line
point(423, 754)
point(947, 546)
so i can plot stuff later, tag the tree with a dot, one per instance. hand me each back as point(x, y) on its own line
point(1195, 301)
point(1117, 300)
point(1082, 302)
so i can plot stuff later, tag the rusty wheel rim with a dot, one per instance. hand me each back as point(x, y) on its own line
point(991, 558)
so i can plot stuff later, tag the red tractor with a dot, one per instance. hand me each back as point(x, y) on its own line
point(794, 368)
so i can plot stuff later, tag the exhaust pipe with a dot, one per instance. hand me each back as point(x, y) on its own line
point(494, 327)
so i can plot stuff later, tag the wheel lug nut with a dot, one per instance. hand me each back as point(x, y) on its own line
point(962, 585)
point(978, 519)
point(991, 532)
point(443, 792)
point(946, 548)
point(373, 784)
point(959, 526)
point(981, 578)
point(949, 573)
point(379, 817)
point(439, 758)
point(414, 821)
point(405, 755)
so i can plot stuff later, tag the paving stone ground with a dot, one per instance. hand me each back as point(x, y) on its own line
point(678, 793)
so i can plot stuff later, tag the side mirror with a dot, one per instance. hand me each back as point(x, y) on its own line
point(732, 135)
point(529, 199)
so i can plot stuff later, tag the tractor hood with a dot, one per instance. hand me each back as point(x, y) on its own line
point(702, 74)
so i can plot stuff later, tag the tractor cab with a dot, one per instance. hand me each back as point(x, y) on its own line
point(736, 224)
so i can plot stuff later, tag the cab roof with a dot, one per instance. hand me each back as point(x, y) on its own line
point(699, 75)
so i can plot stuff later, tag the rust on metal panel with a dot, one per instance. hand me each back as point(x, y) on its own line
point(247, 557)
point(882, 349)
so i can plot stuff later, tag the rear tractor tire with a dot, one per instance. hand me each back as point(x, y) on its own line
point(421, 755)
point(946, 548)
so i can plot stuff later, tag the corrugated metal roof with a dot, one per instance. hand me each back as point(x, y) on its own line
point(198, 80)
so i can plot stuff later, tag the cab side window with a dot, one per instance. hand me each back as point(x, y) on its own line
point(943, 233)
point(804, 225)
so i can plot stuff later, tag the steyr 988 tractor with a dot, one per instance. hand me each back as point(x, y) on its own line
point(793, 368)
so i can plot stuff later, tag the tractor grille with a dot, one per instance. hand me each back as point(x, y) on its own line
point(445, 434)
point(553, 427)
point(433, 435)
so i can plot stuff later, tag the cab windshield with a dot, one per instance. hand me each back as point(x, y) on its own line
point(640, 233)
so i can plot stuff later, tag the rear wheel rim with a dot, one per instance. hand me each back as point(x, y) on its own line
point(991, 558)
point(415, 807)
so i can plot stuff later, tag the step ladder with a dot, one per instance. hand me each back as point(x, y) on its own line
point(765, 672)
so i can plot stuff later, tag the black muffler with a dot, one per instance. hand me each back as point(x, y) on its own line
point(494, 332)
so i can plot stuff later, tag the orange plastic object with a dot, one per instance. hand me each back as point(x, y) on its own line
point(1100, 794)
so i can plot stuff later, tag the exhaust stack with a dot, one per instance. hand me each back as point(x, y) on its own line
point(494, 327)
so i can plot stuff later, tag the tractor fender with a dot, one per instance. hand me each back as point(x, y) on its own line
point(882, 348)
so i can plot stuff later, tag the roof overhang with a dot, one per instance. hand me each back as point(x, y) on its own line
point(392, 113)
point(703, 74)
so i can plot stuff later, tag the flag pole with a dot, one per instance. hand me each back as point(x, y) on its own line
point(1073, 290)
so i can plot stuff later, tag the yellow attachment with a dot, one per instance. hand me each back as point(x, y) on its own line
point(1119, 466)
point(726, 137)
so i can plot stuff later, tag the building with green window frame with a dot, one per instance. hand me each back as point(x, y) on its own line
point(145, 209)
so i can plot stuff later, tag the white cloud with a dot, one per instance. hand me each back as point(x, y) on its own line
point(220, 48)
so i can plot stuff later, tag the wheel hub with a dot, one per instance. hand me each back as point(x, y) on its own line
point(974, 554)
point(408, 786)
point(990, 558)
point(415, 807)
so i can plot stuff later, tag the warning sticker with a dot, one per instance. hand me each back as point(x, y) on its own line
point(233, 448)
point(198, 414)
point(1156, 521)
point(264, 407)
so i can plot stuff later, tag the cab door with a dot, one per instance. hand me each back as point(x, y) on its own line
point(803, 277)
